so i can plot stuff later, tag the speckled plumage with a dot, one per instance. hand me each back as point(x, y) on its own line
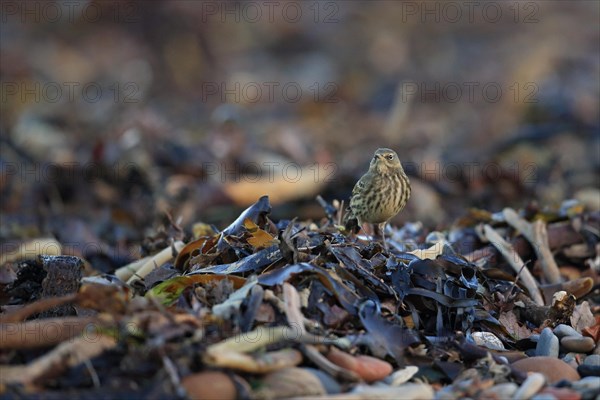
point(379, 194)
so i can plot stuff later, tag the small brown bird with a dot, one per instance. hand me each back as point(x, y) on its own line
point(380, 194)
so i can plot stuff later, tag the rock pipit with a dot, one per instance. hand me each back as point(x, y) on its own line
point(380, 194)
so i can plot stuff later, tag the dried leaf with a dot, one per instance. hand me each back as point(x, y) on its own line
point(582, 317)
point(169, 291)
point(259, 238)
point(199, 246)
point(509, 321)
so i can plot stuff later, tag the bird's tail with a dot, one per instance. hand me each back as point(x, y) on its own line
point(350, 221)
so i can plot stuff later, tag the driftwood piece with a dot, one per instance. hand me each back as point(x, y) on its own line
point(165, 255)
point(560, 234)
point(515, 262)
point(537, 235)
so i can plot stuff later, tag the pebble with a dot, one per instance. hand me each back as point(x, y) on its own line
point(559, 393)
point(501, 391)
point(579, 344)
point(589, 387)
point(402, 375)
point(209, 385)
point(328, 382)
point(408, 391)
point(553, 369)
point(571, 359)
point(589, 370)
point(563, 330)
point(369, 368)
point(544, 396)
point(548, 344)
point(290, 382)
point(487, 340)
point(593, 359)
point(530, 386)
point(530, 353)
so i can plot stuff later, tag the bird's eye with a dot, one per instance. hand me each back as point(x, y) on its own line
point(390, 157)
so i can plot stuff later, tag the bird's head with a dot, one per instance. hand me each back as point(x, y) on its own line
point(385, 161)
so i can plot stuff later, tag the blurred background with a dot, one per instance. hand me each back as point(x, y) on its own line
point(115, 115)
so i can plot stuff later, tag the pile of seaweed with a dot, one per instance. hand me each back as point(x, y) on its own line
point(287, 309)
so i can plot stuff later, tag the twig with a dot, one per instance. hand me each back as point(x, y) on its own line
point(36, 308)
point(173, 375)
point(92, 371)
point(323, 363)
point(293, 313)
point(55, 362)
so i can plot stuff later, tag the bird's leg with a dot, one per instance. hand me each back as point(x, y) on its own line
point(381, 227)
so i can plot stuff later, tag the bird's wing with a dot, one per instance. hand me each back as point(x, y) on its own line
point(362, 184)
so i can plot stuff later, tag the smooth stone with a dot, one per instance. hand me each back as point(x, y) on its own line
point(501, 391)
point(548, 344)
point(559, 393)
point(587, 385)
point(402, 375)
point(530, 386)
point(209, 385)
point(330, 384)
point(369, 368)
point(408, 391)
point(580, 344)
point(563, 330)
point(589, 370)
point(513, 356)
point(553, 368)
point(530, 353)
point(543, 397)
point(487, 340)
point(571, 359)
point(534, 338)
point(593, 359)
point(290, 382)
point(446, 393)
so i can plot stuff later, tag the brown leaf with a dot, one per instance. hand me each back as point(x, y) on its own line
point(509, 320)
point(259, 238)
